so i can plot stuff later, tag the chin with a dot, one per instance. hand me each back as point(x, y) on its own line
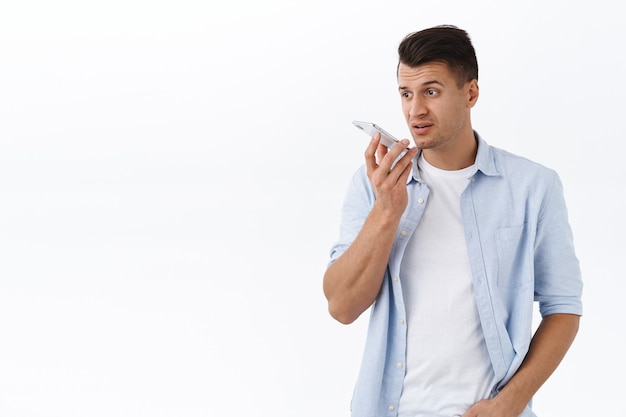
point(423, 144)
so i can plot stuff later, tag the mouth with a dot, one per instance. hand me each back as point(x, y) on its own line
point(421, 127)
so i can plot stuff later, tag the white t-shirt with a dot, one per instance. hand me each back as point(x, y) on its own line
point(448, 367)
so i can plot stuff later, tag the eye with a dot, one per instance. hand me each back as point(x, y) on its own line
point(431, 92)
point(405, 94)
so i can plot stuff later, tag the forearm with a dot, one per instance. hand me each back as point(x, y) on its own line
point(549, 345)
point(352, 282)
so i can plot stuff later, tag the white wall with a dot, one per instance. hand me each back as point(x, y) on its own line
point(171, 175)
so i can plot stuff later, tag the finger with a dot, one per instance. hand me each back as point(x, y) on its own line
point(381, 151)
point(406, 159)
point(403, 168)
point(370, 153)
point(392, 154)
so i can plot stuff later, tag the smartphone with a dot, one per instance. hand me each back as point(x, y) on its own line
point(371, 129)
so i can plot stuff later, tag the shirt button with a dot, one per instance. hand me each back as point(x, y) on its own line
point(400, 365)
point(395, 279)
point(403, 233)
point(420, 201)
point(391, 407)
point(401, 321)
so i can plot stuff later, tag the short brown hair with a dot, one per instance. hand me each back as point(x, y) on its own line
point(447, 44)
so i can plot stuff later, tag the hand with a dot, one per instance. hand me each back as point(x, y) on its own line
point(490, 408)
point(389, 184)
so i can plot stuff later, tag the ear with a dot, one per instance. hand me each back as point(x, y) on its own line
point(472, 93)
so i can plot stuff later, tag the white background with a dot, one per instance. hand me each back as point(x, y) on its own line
point(171, 175)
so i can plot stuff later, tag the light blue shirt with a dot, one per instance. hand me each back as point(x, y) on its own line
point(520, 248)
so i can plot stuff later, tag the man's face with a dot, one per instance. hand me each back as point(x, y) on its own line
point(437, 111)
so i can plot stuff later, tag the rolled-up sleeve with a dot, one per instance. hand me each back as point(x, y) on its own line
point(357, 204)
point(558, 281)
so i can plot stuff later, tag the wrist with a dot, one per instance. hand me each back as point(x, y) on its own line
point(511, 399)
point(386, 215)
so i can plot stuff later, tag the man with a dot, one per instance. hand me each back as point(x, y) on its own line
point(449, 244)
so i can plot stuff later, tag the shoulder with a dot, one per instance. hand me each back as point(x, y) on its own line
point(519, 167)
point(359, 188)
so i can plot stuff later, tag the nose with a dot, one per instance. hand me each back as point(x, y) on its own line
point(417, 108)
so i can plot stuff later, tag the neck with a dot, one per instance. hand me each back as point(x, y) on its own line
point(455, 156)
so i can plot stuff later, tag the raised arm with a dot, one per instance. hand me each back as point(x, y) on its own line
point(352, 282)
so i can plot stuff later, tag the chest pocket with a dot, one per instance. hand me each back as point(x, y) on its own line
point(513, 251)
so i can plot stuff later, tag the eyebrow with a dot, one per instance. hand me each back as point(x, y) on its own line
point(424, 84)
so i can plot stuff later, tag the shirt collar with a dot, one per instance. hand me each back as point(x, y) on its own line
point(485, 160)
